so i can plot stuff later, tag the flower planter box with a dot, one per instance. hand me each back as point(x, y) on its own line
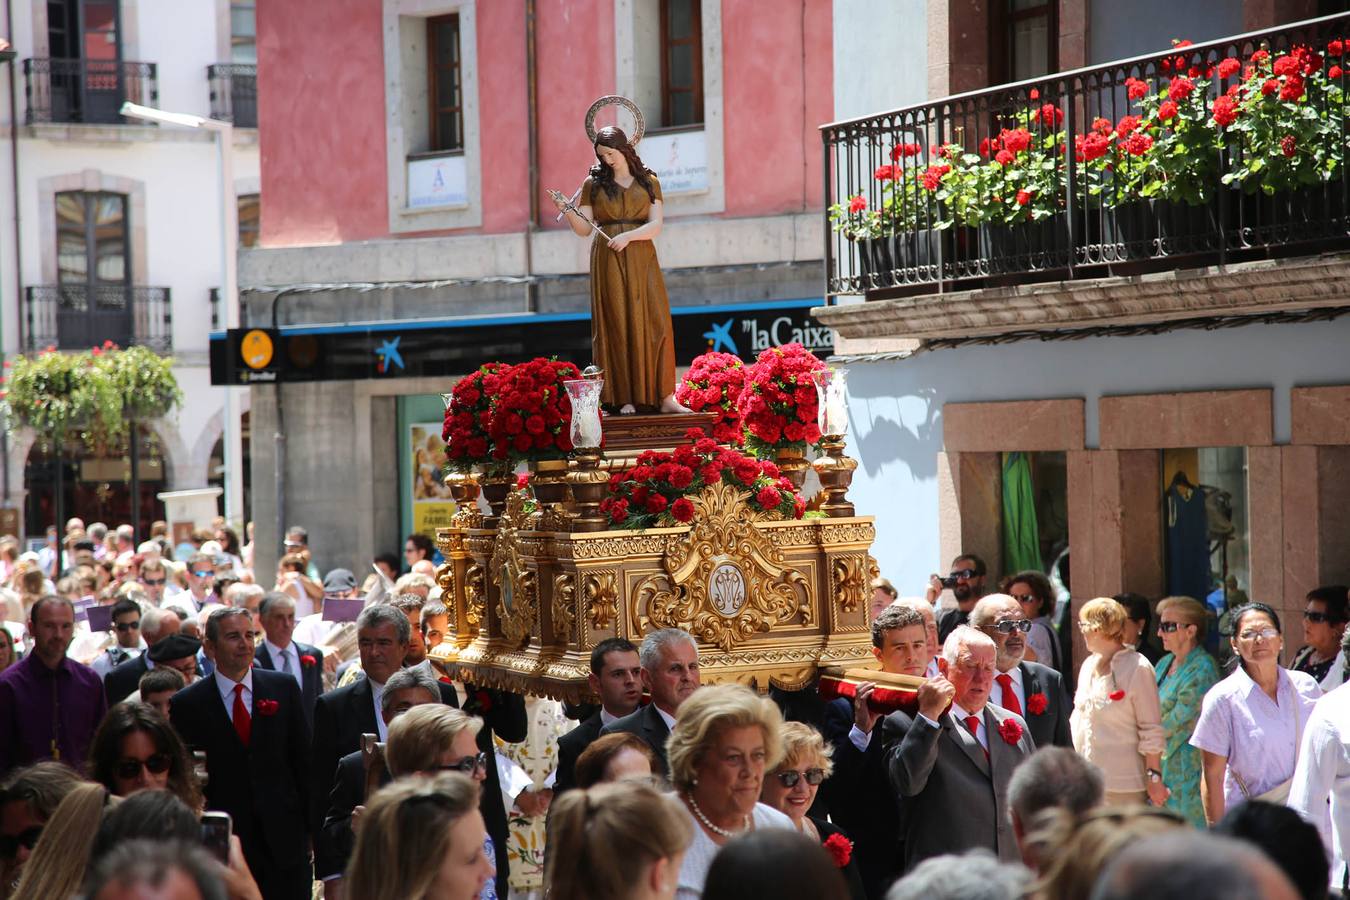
point(878, 266)
point(1312, 213)
point(915, 251)
point(1026, 246)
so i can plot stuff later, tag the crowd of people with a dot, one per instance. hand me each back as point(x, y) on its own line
point(145, 689)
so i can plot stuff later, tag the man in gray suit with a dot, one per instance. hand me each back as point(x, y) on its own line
point(669, 659)
point(1033, 691)
point(952, 762)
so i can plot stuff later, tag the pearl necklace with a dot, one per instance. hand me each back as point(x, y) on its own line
point(698, 813)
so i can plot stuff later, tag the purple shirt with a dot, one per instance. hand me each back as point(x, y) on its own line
point(39, 707)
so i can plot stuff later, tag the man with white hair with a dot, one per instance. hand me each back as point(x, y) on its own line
point(951, 763)
point(670, 672)
point(1033, 691)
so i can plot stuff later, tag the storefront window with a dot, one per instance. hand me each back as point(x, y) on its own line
point(1205, 535)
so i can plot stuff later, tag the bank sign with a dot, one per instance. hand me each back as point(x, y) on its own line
point(456, 347)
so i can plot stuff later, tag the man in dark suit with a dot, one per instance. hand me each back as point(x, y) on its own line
point(616, 678)
point(123, 679)
point(670, 673)
point(1033, 691)
point(405, 689)
point(951, 763)
point(278, 653)
point(860, 796)
point(251, 725)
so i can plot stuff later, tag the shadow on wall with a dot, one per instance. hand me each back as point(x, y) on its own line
point(905, 429)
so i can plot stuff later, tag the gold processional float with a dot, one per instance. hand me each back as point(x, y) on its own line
point(535, 583)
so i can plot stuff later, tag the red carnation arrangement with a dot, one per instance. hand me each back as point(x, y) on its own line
point(531, 417)
point(656, 490)
point(713, 384)
point(1010, 731)
point(468, 418)
point(1037, 703)
point(840, 849)
point(778, 405)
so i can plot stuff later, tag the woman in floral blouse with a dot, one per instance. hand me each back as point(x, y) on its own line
point(1184, 674)
point(1116, 723)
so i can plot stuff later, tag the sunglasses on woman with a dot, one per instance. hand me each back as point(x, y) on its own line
point(789, 777)
point(1315, 617)
point(468, 764)
point(128, 769)
point(1169, 627)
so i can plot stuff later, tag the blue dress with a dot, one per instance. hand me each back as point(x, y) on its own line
point(1179, 697)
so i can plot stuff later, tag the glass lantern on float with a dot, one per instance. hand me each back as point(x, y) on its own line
point(834, 469)
point(587, 433)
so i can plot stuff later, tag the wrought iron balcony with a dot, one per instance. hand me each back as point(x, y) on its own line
point(234, 93)
point(80, 316)
point(214, 299)
point(87, 91)
point(1210, 153)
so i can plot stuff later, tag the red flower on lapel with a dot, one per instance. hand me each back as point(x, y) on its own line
point(1010, 731)
point(1037, 703)
point(268, 707)
point(308, 661)
point(445, 679)
point(840, 849)
point(1116, 696)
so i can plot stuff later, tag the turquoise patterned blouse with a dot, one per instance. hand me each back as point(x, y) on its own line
point(1179, 695)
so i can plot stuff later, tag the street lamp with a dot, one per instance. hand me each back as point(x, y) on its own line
point(229, 267)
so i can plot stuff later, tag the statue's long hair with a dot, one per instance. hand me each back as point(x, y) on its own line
point(603, 175)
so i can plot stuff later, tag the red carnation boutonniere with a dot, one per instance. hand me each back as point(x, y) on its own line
point(1010, 731)
point(1036, 704)
point(268, 707)
point(308, 661)
point(445, 679)
point(483, 701)
point(840, 849)
point(1116, 696)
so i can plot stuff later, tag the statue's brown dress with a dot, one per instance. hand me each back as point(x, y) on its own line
point(631, 334)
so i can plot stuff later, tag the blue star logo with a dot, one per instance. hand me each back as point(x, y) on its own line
point(389, 356)
point(720, 336)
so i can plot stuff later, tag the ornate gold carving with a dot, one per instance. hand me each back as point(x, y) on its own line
point(601, 593)
point(515, 582)
point(467, 516)
point(847, 533)
point(849, 582)
point(638, 544)
point(727, 581)
point(564, 602)
point(473, 595)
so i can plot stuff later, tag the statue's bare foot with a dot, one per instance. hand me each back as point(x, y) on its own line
point(627, 409)
point(670, 405)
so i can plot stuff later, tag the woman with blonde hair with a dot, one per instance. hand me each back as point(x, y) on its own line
point(791, 789)
point(723, 742)
point(1074, 851)
point(1185, 673)
point(56, 868)
point(615, 842)
point(1116, 722)
point(421, 838)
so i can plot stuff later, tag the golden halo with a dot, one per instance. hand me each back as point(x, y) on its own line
point(639, 124)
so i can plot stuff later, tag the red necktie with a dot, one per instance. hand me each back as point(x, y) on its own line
point(1010, 702)
point(973, 726)
point(242, 723)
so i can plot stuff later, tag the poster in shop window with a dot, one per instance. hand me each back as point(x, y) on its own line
point(432, 506)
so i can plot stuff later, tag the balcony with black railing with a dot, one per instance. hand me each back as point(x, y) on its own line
point(87, 91)
point(1216, 153)
point(80, 316)
point(234, 93)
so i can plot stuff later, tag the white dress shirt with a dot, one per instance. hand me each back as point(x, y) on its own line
point(376, 693)
point(1322, 775)
point(276, 654)
point(226, 688)
point(667, 718)
point(959, 717)
point(996, 694)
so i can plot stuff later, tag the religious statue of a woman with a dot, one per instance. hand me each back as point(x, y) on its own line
point(631, 334)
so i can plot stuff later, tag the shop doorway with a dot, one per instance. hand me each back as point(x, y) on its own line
point(95, 486)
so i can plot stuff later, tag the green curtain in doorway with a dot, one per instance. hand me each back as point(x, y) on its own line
point(1021, 536)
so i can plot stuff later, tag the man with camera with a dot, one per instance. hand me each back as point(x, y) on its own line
point(966, 582)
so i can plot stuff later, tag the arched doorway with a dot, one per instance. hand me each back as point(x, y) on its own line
point(96, 487)
point(215, 468)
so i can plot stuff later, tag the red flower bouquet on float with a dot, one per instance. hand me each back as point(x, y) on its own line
point(655, 492)
point(713, 384)
point(778, 405)
point(530, 418)
point(468, 418)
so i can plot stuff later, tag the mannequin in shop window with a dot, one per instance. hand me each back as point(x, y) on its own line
point(619, 206)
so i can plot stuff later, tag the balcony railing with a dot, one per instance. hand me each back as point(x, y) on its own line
point(1238, 152)
point(234, 93)
point(86, 91)
point(213, 298)
point(80, 316)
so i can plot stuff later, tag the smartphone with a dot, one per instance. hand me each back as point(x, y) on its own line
point(216, 828)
